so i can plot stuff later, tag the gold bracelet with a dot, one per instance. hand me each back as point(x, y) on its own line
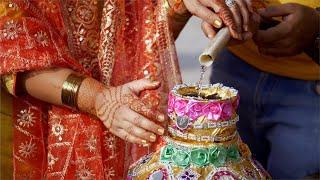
point(70, 90)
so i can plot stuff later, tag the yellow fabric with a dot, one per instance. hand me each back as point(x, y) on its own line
point(297, 67)
point(6, 167)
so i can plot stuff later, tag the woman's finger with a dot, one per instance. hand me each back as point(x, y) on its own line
point(138, 106)
point(204, 13)
point(208, 30)
point(245, 14)
point(135, 130)
point(249, 5)
point(273, 34)
point(143, 122)
point(143, 84)
point(127, 137)
point(226, 15)
point(238, 20)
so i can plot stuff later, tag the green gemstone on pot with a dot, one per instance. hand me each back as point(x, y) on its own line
point(217, 156)
point(199, 156)
point(181, 158)
point(166, 153)
point(233, 153)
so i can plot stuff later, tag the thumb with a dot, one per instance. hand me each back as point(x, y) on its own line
point(276, 11)
point(143, 84)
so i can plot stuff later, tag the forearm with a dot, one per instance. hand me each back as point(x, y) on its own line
point(47, 85)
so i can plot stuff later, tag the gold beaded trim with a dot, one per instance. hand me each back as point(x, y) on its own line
point(194, 137)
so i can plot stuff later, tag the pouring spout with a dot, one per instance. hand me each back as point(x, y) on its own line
point(215, 46)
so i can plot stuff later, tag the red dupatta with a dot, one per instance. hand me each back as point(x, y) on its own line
point(114, 41)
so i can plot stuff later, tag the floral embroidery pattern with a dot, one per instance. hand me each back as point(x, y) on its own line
point(11, 30)
point(110, 145)
point(42, 38)
point(26, 118)
point(84, 174)
point(91, 144)
point(58, 130)
point(27, 149)
point(109, 173)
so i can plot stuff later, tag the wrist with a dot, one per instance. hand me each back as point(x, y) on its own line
point(89, 92)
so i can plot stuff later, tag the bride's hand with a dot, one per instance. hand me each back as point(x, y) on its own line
point(236, 17)
point(255, 21)
point(126, 116)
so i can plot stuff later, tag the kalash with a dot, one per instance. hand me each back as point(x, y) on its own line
point(202, 140)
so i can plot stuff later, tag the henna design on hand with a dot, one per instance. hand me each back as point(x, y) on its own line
point(113, 98)
point(225, 14)
point(125, 115)
point(139, 107)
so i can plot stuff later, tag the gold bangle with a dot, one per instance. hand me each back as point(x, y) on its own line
point(70, 90)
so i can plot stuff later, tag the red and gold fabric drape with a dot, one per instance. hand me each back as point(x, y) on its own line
point(115, 41)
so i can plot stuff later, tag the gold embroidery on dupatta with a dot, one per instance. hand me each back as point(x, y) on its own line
point(110, 23)
point(168, 55)
point(82, 19)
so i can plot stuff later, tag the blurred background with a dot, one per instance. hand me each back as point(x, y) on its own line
point(190, 44)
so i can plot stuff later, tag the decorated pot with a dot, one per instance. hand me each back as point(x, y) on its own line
point(202, 140)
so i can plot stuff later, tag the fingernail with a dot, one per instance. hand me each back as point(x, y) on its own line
point(145, 145)
point(161, 118)
point(217, 23)
point(161, 131)
point(153, 137)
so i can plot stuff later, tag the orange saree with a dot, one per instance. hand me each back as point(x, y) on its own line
point(115, 41)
